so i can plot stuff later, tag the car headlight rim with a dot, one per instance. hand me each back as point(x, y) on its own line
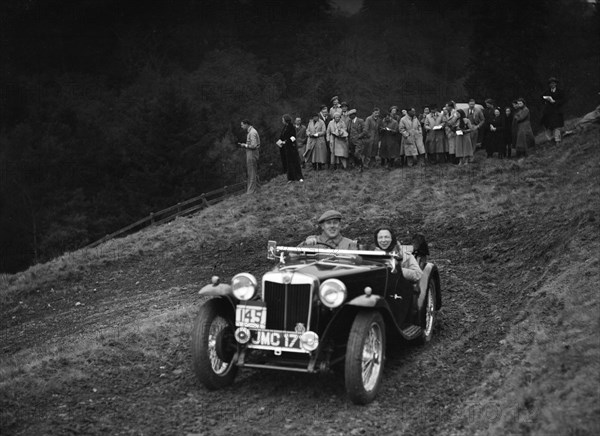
point(332, 293)
point(244, 286)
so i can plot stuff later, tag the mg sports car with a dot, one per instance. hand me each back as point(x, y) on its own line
point(318, 309)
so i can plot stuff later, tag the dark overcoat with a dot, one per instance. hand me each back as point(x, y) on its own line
point(552, 113)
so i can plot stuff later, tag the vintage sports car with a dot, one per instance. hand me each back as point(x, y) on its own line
point(319, 308)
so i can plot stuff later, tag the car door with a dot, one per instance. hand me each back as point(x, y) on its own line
point(399, 294)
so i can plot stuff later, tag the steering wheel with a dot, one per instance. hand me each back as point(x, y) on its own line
point(325, 244)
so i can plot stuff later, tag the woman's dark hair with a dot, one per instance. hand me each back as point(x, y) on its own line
point(461, 122)
point(287, 118)
point(523, 100)
point(392, 244)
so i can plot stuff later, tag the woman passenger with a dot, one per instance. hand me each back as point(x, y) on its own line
point(385, 240)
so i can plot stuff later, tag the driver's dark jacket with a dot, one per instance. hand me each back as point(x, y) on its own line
point(339, 242)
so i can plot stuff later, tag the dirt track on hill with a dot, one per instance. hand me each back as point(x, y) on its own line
point(116, 339)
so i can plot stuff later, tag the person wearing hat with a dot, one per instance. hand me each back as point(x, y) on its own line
point(524, 134)
point(337, 134)
point(330, 237)
point(335, 105)
point(356, 127)
point(344, 109)
point(371, 136)
point(389, 150)
point(316, 147)
point(394, 113)
point(552, 113)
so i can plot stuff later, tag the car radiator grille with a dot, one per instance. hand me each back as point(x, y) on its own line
point(282, 316)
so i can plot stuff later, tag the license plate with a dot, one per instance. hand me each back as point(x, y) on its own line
point(275, 339)
point(251, 315)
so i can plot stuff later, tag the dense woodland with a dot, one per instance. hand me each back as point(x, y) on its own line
point(113, 109)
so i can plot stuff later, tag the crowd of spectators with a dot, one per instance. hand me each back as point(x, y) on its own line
point(338, 138)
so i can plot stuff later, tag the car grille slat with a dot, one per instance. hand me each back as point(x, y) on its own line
point(280, 317)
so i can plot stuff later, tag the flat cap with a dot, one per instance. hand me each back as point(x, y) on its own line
point(351, 111)
point(552, 79)
point(330, 215)
point(335, 97)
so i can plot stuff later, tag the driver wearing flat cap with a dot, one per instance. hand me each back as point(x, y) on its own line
point(330, 223)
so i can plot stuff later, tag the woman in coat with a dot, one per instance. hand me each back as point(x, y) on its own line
point(316, 147)
point(287, 141)
point(494, 136)
point(386, 241)
point(464, 145)
point(525, 137)
point(337, 135)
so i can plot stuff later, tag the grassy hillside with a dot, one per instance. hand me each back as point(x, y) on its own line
point(98, 340)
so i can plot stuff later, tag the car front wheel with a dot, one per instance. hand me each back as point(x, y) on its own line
point(365, 357)
point(213, 347)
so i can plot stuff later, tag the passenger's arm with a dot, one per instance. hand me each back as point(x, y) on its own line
point(410, 268)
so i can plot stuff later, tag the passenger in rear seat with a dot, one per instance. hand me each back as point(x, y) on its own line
point(385, 240)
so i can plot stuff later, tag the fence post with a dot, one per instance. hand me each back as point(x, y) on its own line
point(204, 202)
point(178, 208)
point(151, 217)
point(225, 191)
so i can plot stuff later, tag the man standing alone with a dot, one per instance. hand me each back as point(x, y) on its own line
point(552, 118)
point(251, 145)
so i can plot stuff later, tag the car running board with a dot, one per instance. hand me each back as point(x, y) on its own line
point(411, 332)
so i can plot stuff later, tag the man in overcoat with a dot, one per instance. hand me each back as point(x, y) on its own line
point(552, 115)
point(371, 135)
point(356, 127)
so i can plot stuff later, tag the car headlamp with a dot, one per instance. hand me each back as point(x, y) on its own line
point(332, 292)
point(244, 286)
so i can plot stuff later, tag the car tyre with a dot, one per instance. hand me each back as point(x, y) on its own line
point(428, 314)
point(213, 366)
point(365, 357)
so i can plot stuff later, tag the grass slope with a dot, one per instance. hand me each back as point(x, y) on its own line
point(104, 332)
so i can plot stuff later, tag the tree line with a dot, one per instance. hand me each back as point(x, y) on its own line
point(111, 110)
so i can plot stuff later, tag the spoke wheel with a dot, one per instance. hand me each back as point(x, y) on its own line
point(365, 357)
point(211, 335)
point(428, 316)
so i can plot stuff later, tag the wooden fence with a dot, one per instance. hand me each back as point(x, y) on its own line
point(180, 209)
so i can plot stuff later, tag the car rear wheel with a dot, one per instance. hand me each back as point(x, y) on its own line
point(365, 357)
point(428, 313)
point(213, 347)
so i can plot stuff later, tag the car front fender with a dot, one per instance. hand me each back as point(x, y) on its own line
point(367, 301)
point(222, 292)
point(220, 289)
